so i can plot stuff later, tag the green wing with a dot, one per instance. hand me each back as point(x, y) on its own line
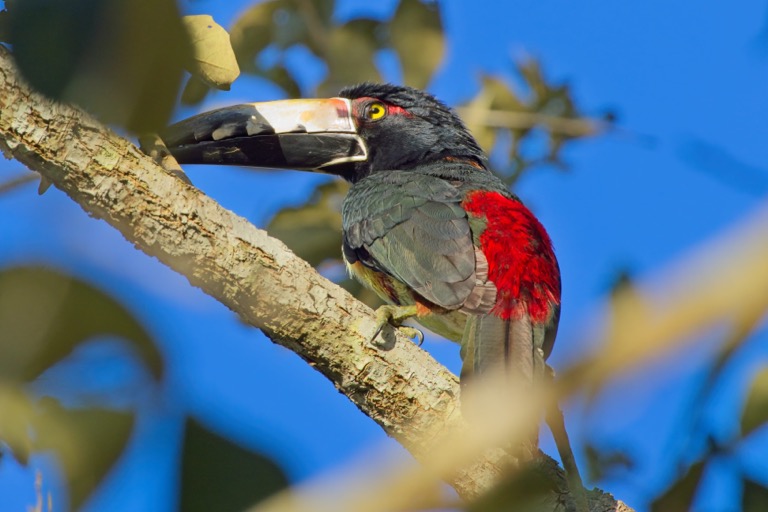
point(415, 231)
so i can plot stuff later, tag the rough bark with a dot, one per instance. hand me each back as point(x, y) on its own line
point(403, 389)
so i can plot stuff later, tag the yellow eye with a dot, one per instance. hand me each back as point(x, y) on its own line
point(376, 111)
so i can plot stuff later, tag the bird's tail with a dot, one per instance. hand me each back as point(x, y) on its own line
point(491, 343)
point(509, 350)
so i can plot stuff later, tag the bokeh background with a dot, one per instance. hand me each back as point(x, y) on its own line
point(676, 93)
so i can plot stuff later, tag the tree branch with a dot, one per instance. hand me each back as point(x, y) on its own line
point(404, 390)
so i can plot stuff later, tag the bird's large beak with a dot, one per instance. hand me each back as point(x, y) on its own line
point(304, 134)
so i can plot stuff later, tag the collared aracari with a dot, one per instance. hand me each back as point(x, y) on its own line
point(426, 224)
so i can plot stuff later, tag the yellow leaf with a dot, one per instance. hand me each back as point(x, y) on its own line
point(213, 56)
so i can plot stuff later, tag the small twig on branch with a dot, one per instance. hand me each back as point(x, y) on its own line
point(17, 182)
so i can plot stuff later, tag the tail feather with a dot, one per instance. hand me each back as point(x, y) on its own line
point(491, 343)
point(514, 348)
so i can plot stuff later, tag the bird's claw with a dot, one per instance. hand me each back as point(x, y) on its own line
point(374, 337)
point(412, 333)
point(394, 316)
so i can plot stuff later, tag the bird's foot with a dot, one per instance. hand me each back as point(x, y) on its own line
point(395, 316)
point(154, 147)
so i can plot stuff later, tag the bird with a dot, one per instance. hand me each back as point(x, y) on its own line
point(426, 223)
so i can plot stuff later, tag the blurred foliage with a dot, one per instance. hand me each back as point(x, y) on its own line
point(755, 497)
point(528, 489)
point(313, 230)
point(45, 315)
point(122, 60)
point(537, 108)
point(602, 463)
point(217, 474)
point(695, 445)
point(85, 442)
point(755, 413)
point(680, 494)
point(416, 34)
point(348, 49)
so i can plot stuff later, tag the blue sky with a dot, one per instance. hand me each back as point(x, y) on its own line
point(681, 76)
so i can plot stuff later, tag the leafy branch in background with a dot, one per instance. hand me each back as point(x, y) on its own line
point(540, 108)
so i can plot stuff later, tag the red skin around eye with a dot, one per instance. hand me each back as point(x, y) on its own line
point(394, 110)
point(359, 107)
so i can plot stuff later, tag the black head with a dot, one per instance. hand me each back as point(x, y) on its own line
point(404, 127)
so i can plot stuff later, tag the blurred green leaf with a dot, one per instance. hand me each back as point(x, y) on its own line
point(601, 463)
point(502, 96)
point(556, 142)
point(217, 474)
point(281, 77)
point(680, 495)
point(4, 32)
point(120, 59)
point(493, 95)
point(416, 33)
point(755, 497)
point(50, 38)
point(755, 412)
point(315, 18)
point(86, 442)
point(282, 23)
point(313, 231)
point(15, 420)
point(349, 49)
point(547, 98)
point(524, 491)
point(350, 55)
point(213, 57)
point(252, 32)
point(539, 106)
point(531, 71)
point(46, 314)
point(195, 91)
